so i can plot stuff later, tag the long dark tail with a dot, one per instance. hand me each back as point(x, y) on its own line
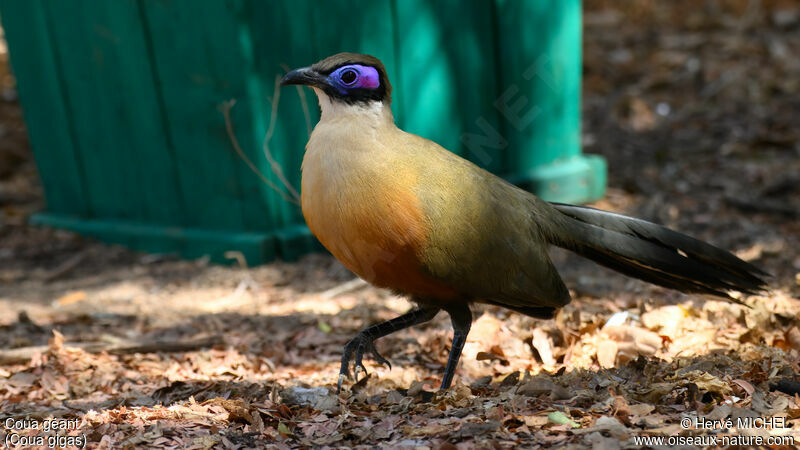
point(654, 253)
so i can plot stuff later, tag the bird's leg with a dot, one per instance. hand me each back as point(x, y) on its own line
point(461, 317)
point(364, 340)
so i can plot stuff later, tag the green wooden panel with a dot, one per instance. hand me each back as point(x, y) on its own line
point(277, 43)
point(539, 69)
point(296, 241)
point(539, 49)
point(447, 80)
point(580, 178)
point(264, 207)
point(366, 27)
point(122, 102)
point(136, 122)
point(290, 34)
point(198, 66)
point(193, 243)
point(84, 41)
point(43, 95)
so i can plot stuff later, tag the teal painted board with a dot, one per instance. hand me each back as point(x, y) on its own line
point(580, 178)
point(277, 45)
point(338, 28)
point(196, 68)
point(138, 121)
point(447, 80)
point(194, 243)
point(539, 50)
point(80, 33)
point(539, 68)
point(133, 148)
point(130, 169)
point(280, 43)
point(43, 95)
point(263, 207)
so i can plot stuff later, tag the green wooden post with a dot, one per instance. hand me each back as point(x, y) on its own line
point(539, 99)
point(51, 127)
point(122, 104)
point(448, 78)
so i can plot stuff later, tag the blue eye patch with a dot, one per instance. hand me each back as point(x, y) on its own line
point(355, 76)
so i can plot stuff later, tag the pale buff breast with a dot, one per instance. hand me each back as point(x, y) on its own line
point(358, 199)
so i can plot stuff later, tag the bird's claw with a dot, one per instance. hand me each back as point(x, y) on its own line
point(359, 344)
point(378, 357)
point(358, 367)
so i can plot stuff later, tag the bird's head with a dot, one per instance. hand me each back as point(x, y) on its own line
point(349, 78)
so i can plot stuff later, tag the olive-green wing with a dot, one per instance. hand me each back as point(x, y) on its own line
point(484, 235)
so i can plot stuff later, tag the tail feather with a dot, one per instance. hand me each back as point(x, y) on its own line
point(655, 253)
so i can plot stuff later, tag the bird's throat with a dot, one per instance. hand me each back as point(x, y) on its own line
point(370, 114)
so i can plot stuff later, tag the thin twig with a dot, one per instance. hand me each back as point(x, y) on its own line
point(303, 102)
point(65, 267)
point(238, 256)
point(304, 105)
point(24, 354)
point(349, 286)
point(225, 109)
point(276, 168)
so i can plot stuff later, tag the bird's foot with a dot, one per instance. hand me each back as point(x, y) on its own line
point(359, 344)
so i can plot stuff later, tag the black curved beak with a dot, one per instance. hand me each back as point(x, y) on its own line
point(304, 76)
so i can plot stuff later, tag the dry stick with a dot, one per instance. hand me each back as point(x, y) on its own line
point(65, 267)
point(306, 113)
point(276, 168)
point(303, 102)
point(348, 286)
point(24, 354)
point(225, 109)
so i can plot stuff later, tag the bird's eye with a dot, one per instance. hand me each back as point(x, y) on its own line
point(348, 77)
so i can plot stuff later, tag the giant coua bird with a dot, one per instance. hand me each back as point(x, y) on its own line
point(405, 214)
